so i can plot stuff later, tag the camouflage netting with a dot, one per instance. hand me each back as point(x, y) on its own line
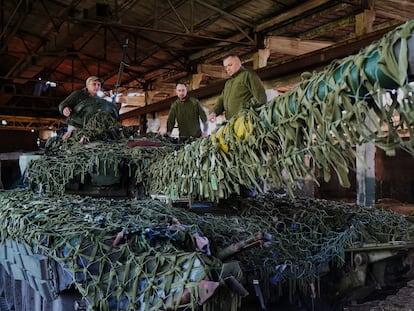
point(100, 126)
point(311, 130)
point(81, 157)
point(151, 267)
point(142, 255)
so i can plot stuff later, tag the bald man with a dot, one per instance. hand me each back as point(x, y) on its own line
point(239, 90)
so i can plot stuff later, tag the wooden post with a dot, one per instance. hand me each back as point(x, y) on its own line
point(366, 175)
point(365, 165)
point(195, 81)
point(364, 22)
point(149, 97)
point(260, 58)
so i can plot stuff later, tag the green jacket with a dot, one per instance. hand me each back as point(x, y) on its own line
point(73, 99)
point(84, 106)
point(187, 114)
point(238, 92)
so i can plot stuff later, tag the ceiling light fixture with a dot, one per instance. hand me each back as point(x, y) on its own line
point(51, 83)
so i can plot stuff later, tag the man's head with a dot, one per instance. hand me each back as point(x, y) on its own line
point(93, 84)
point(231, 64)
point(181, 91)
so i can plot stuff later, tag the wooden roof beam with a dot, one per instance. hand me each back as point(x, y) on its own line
point(215, 71)
point(328, 27)
point(396, 9)
point(297, 11)
point(293, 46)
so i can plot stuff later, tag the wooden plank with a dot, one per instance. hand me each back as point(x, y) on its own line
point(319, 58)
point(46, 290)
point(215, 71)
point(17, 272)
point(401, 10)
point(293, 46)
point(323, 28)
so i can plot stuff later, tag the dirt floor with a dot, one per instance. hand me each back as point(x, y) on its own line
point(403, 300)
point(396, 206)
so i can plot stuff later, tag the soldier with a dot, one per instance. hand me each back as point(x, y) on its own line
point(243, 86)
point(187, 111)
point(82, 103)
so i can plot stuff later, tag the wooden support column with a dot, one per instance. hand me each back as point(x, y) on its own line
point(260, 58)
point(365, 166)
point(143, 124)
point(149, 97)
point(366, 175)
point(195, 81)
point(364, 22)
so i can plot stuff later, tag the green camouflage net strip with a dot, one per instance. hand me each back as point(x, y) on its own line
point(75, 160)
point(155, 262)
point(311, 130)
point(100, 126)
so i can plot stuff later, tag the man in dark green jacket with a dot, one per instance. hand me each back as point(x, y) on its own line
point(187, 111)
point(82, 103)
point(239, 91)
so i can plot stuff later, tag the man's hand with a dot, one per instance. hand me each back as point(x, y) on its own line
point(67, 111)
point(212, 117)
point(69, 132)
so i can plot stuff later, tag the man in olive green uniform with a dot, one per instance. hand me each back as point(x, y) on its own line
point(239, 90)
point(187, 111)
point(80, 103)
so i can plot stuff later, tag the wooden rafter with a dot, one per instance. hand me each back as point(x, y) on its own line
point(293, 46)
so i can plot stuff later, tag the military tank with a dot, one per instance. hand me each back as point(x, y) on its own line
point(110, 220)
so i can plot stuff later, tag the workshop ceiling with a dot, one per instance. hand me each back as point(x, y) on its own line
point(162, 41)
